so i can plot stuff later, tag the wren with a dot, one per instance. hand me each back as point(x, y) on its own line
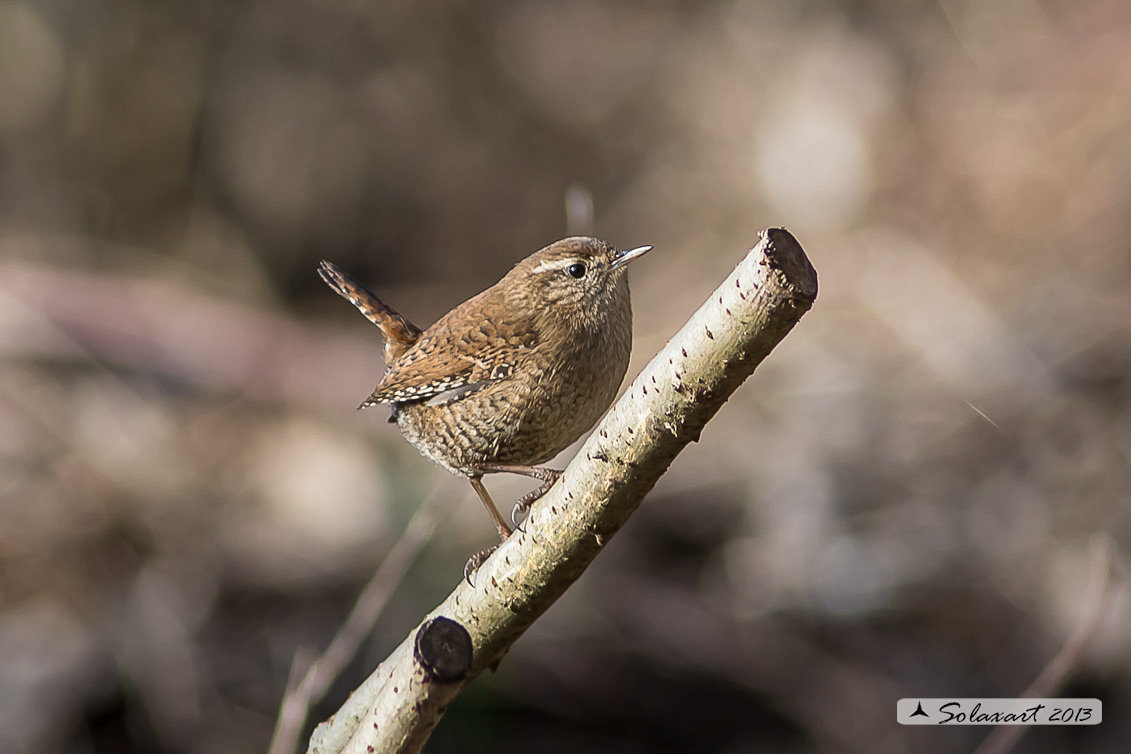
point(511, 377)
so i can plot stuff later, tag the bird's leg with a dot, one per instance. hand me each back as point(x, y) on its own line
point(489, 504)
point(547, 477)
point(505, 531)
point(537, 472)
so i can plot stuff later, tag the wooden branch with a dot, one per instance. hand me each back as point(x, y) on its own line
point(664, 409)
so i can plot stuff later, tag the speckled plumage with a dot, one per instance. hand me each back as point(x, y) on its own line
point(514, 375)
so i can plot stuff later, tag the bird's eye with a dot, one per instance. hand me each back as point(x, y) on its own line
point(576, 270)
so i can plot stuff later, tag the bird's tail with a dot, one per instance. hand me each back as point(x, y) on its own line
point(400, 334)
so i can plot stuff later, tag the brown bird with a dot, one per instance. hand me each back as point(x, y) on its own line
point(511, 377)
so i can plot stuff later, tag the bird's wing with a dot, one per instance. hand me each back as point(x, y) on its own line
point(457, 356)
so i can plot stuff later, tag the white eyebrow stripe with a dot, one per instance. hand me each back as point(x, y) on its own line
point(554, 264)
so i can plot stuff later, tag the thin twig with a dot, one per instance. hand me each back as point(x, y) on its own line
point(320, 675)
point(1101, 593)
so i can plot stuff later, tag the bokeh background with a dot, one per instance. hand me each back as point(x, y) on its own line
point(905, 499)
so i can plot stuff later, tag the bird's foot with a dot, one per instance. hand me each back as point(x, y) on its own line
point(475, 561)
point(522, 507)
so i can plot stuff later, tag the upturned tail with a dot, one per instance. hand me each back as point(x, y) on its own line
point(400, 334)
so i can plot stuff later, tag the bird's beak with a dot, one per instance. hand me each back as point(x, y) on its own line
point(622, 258)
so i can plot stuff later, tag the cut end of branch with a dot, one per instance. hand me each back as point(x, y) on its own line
point(443, 649)
point(785, 254)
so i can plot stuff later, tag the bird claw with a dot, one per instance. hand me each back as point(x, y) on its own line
point(521, 508)
point(475, 561)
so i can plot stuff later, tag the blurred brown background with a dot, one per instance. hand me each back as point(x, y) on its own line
point(899, 503)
